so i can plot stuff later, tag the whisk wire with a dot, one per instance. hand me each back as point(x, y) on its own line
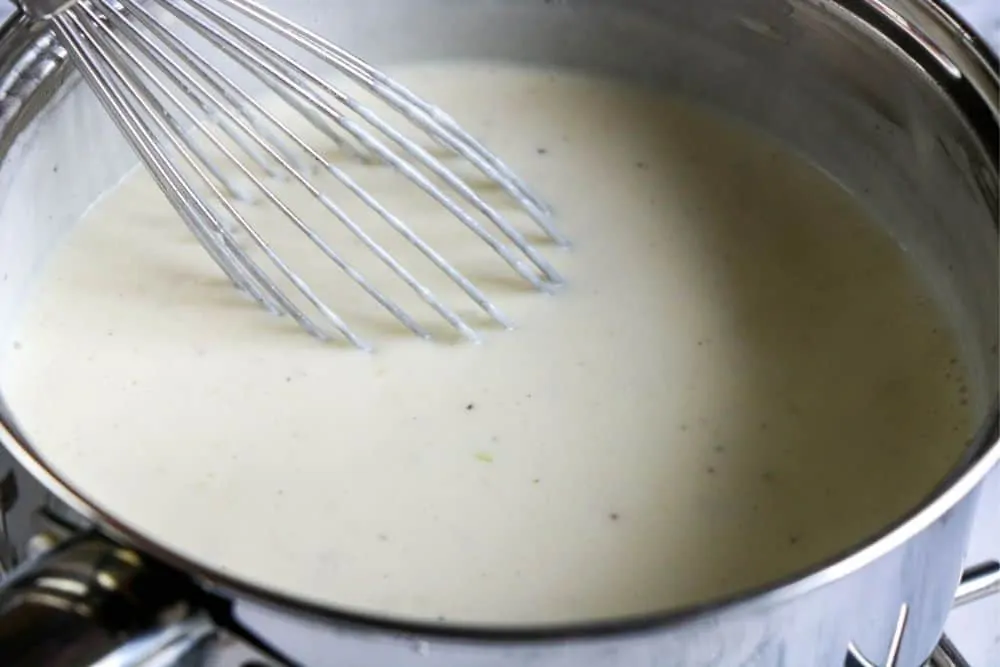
point(176, 75)
point(287, 70)
point(275, 72)
point(173, 185)
point(154, 52)
point(141, 95)
point(168, 98)
point(432, 119)
point(218, 81)
point(313, 236)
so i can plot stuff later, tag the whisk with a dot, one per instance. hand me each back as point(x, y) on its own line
point(154, 84)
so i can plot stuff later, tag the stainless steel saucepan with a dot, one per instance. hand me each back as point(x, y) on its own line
point(896, 99)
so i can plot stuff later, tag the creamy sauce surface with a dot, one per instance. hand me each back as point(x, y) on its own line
point(743, 377)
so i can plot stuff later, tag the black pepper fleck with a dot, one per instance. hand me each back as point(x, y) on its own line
point(470, 406)
point(542, 151)
point(641, 166)
point(614, 516)
point(710, 470)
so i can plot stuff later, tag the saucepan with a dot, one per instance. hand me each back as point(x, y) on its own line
point(897, 100)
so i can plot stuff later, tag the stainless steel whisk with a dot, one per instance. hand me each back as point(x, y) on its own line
point(153, 82)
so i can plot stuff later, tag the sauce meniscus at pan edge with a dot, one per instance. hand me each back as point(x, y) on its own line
point(714, 400)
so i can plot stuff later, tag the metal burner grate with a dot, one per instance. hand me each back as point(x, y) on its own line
point(947, 655)
point(978, 582)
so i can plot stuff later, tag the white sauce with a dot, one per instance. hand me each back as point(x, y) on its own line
point(743, 377)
